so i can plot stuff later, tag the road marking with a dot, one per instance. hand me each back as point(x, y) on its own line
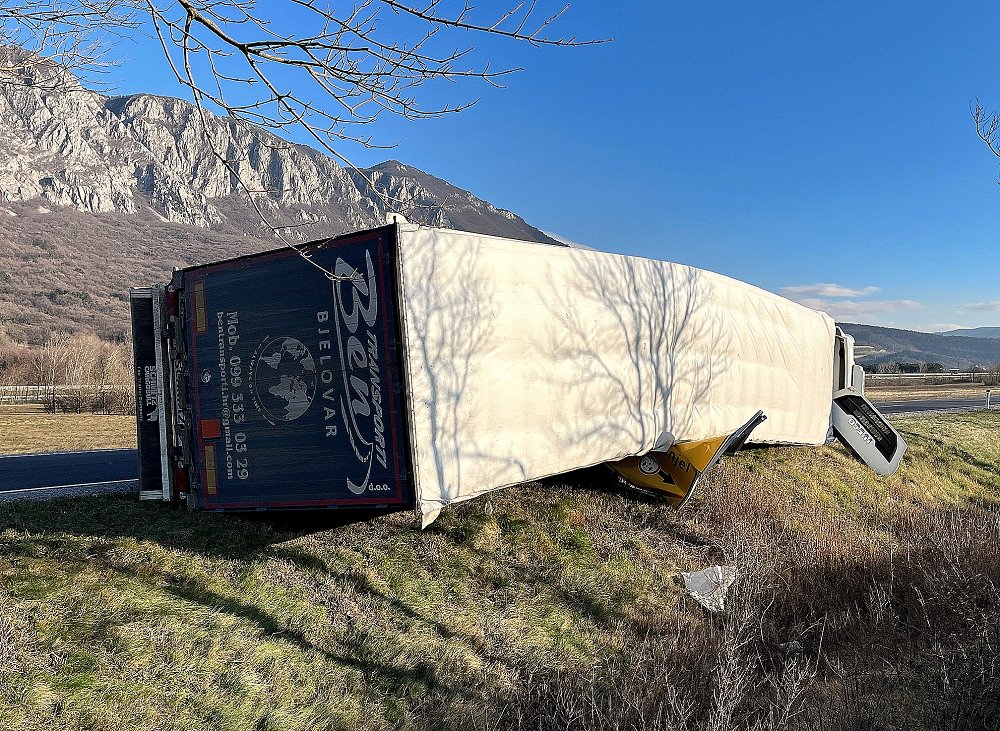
point(66, 487)
point(57, 454)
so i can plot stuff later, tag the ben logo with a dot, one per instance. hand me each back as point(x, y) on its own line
point(283, 378)
point(355, 316)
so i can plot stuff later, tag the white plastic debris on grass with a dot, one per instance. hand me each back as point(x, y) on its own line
point(710, 586)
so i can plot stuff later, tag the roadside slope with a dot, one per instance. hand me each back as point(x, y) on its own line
point(548, 606)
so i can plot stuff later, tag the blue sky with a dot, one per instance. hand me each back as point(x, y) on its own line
point(822, 151)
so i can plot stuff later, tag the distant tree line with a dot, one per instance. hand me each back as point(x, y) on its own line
point(78, 373)
point(988, 375)
point(991, 374)
point(906, 367)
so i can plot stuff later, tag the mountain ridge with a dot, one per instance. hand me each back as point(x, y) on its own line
point(909, 346)
point(100, 193)
point(973, 332)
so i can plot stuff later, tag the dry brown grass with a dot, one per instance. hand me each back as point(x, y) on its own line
point(548, 606)
point(890, 589)
point(27, 428)
point(919, 392)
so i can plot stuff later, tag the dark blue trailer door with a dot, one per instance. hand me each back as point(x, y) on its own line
point(296, 379)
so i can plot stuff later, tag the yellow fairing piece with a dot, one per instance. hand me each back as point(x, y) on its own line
point(674, 474)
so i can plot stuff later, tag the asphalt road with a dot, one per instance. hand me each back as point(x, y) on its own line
point(950, 404)
point(66, 474)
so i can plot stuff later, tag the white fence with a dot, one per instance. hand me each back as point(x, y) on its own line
point(34, 394)
point(943, 377)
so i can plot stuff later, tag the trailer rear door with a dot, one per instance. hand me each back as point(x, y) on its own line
point(296, 379)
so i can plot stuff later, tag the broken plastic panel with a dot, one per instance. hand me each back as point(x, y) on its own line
point(865, 432)
point(674, 474)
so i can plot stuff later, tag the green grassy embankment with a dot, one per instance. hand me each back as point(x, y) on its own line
point(555, 605)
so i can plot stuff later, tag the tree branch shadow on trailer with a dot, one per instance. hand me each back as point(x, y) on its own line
point(646, 348)
point(451, 306)
point(629, 358)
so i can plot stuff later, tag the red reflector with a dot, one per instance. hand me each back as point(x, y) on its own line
point(181, 479)
point(171, 304)
point(211, 428)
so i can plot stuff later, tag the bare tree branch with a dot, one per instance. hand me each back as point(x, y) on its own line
point(328, 70)
point(45, 43)
point(987, 124)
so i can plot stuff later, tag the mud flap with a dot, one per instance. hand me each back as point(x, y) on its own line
point(865, 432)
point(674, 474)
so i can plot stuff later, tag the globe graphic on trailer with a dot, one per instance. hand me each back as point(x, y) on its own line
point(284, 378)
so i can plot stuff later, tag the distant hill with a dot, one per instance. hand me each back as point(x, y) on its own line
point(908, 346)
point(98, 194)
point(974, 332)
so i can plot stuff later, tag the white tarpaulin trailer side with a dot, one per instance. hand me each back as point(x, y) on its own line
point(527, 360)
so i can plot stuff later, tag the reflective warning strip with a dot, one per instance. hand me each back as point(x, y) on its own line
point(200, 314)
point(210, 478)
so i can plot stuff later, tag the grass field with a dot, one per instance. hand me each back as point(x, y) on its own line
point(553, 605)
point(28, 428)
point(916, 392)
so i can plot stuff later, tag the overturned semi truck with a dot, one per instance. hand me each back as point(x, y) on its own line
point(407, 366)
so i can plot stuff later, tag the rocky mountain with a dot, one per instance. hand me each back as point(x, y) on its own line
point(974, 332)
point(100, 193)
point(444, 204)
point(908, 346)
